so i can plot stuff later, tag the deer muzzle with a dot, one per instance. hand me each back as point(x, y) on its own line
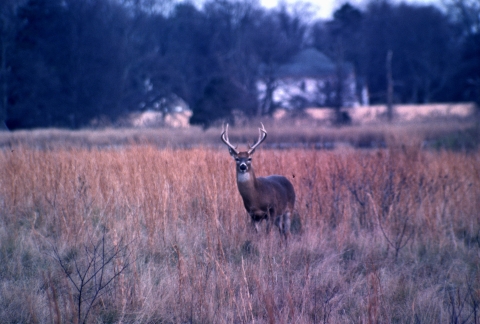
point(242, 167)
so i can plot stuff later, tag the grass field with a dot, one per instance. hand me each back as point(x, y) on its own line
point(304, 133)
point(142, 232)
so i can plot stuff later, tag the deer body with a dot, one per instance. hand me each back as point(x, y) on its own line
point(269, 198)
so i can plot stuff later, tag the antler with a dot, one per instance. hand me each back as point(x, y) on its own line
point(262, 135)
point(225, 140)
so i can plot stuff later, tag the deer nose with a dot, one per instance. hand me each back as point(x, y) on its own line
point(242, 167)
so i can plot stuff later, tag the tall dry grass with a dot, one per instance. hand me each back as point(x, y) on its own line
point(386, 236)
point(291, 133)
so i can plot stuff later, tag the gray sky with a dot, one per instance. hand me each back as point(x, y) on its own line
point(325, 8)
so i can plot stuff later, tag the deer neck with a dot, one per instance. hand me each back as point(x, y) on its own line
point(246, 182)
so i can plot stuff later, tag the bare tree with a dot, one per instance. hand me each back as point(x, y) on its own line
point(8, 11)
point(90, 270)
point(279, 36)
point(389, 86)
point(466, 13)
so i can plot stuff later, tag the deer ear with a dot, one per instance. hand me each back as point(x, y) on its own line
point(232, 152)
point(252, 151)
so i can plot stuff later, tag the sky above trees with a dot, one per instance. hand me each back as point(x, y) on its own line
point(324, 9)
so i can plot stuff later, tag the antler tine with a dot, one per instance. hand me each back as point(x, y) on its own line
point(263, 129)
point(225, 140)
point(262, 135)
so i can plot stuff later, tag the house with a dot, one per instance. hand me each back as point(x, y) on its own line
point(309, 79)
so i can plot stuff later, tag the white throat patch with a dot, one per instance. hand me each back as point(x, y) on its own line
point(243, 177)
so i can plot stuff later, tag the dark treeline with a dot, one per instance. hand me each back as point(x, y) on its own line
point(65, 63)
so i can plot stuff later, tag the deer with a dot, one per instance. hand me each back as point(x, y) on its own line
point(270, 198)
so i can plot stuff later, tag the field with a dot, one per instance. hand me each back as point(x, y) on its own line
point(144, 227)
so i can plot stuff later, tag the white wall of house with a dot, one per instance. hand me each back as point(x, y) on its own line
point(313, 91)
point(307, 88)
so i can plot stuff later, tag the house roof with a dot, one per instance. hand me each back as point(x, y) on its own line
point(308, 63)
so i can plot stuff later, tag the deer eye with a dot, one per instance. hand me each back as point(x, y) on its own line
point(249, 160)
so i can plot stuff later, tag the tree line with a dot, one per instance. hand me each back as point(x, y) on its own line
point(66, 63)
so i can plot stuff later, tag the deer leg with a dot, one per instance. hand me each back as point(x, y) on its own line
point(270, 220)
point(286, 224)
point(279, 223)
point(253, 222)
point(254, 225)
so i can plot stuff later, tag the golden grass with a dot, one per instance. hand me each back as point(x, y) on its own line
point(387, 235)
point(286, 133)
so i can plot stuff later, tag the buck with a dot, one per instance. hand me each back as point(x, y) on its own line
point(269, 198)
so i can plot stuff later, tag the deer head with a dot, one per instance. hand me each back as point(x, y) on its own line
point(243, 159)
